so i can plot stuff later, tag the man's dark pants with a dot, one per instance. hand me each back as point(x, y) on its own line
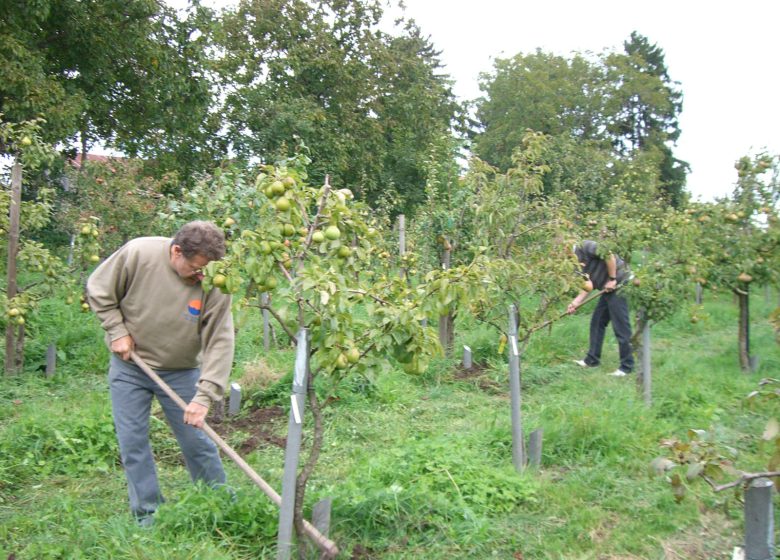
point(611, 307)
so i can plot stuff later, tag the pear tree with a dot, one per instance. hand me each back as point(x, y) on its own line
point(33, 271)
point(741, 237)
point(317, 255)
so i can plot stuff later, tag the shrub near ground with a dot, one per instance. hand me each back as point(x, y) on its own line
point(419, 467)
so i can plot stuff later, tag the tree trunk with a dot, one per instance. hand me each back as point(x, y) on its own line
point(84, 149)
point(19, 350)
point(11, 346)
point(744, 329)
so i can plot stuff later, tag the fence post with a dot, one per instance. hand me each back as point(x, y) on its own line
point(647, 364)
point(235, 399)
point(320, 515)
point(402, 242)
point(467, 361)
point(699, 293)
point(518, 454)
point(759, 521)
point(292, 452)
point(51, 360)
point(535, 448)
point(446, 321)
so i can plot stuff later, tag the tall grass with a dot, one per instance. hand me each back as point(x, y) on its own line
point(418, 467)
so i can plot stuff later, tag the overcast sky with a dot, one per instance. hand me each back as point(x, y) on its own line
point(725, 56)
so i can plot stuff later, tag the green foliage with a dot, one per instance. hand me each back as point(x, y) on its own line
point(523, 246)
point(34, 448)
point(310, 249)
point(365, 103)
point(39, 272)
point(428, 484)
point(614, 107)
point(740, 234)
point(117, 198)
point(539, 92)
point(129, 73)
point(202, 512)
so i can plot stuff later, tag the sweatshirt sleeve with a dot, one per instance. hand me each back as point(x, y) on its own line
point(217, 347)
point(105, 289)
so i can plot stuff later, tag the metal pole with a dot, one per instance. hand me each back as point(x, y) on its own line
point(51, 360)
point(402, 241)
point(747, 321)
point(467, 361)
point(647, 368)
point(234, 404)
point(759, 521)
point(327, 546)
point(535, 448)
point(518, 454)
point(292, 453)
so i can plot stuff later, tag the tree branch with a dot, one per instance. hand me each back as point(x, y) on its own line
point(745, 478)
point(279, 320)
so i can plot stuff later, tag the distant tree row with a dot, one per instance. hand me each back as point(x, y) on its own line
point(258, 81)
point(266, 79)
point(603, 113)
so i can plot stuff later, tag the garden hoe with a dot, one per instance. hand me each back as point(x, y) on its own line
point(591, 297)
point(328, 547)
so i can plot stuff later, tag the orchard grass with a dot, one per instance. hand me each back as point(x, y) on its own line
point(418, 466)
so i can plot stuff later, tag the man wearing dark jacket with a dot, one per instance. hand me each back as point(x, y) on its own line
point(606, 273)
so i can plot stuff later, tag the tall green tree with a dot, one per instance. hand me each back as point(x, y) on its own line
point(643, 108)
point(540, 92)
point(366, 105)
point(126, 73)
point(612, 107)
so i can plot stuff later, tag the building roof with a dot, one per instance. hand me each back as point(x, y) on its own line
point(95, 158)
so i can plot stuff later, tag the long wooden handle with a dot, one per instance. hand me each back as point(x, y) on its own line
point(321, 541)
point(548, 322)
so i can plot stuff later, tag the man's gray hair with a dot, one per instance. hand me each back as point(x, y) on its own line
point(201, 238)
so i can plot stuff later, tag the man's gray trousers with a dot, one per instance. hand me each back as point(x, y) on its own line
point(131, 398)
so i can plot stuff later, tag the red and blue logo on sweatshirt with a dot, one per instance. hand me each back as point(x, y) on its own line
point(193, 312)
point(194, 307)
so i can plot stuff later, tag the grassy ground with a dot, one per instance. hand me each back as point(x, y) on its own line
point(418, 467)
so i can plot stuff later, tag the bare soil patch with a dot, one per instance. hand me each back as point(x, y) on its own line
point(262, 425)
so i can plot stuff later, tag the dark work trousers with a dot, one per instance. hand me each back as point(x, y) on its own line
point(611, 307)
point(131, 399)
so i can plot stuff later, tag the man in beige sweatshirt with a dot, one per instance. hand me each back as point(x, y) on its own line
point(149, 299)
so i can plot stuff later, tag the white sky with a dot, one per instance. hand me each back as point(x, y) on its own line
point(724, 54)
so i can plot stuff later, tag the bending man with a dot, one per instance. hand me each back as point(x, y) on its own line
point(606, 274)
point(149, 299)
